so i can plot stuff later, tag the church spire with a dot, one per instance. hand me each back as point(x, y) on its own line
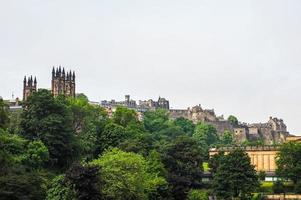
point(53, 72)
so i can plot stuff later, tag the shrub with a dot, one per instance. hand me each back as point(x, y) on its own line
point(278, 187)
point(197, 195)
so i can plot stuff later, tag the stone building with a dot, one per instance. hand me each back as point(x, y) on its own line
point(263, 157)
point(141, 107)
point(29, 87)
point(198, 114)
point(152, 105)
point(62, 83)
point(128, 102)
point(272, 132)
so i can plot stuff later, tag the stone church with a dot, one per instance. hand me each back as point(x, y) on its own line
point(62, 83)
point(29, 86)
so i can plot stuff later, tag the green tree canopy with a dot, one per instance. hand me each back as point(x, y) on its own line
point(197, 195)
point(227, 138)
point(125, 176)
point(156, 120)
point(59, 189)
point(48, 119)
point(235, 176)
point(124, 116)
point(183, 161)
point(16, 151)
point(112, 136)
point(186, 125)
point(205, 135)
point(233, 120)
point(88, 123)
point(289, 161)
point(85, 181)
point(25, 186)
point(4, 118)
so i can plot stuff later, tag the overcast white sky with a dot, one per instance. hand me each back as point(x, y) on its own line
point(240, 57)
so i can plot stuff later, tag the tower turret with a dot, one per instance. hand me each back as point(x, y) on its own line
point(53, 72)
point(29, 87)
point(63, 83)
point(35, 81)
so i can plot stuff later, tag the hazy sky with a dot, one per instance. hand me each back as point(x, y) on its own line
point(240, 57)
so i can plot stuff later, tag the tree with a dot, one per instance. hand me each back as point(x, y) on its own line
point(156, 120)
point(4, 118)
point(206, 136)
point(112, 136)
point(233, 120)
point(141, 144)
point(215, 161)
point(60, 189)
point(183, 162)
point(124, 116)
point(16, 152)
point(235, 176)
point(206, 132)
point(289, 161)
point(48, 119)
point(14, 121)
point(227, 138)
point(88, 123)
point(85, 181)
point(36, 155)
point(169, 133)
point(25, 186)
point(186, 125)
point(261, 175)
point(125, 176)
point(197, 195)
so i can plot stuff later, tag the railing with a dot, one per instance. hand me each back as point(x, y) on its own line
point(247, 148)
point(283, 196)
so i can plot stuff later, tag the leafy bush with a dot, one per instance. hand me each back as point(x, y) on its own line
point(278, 187)
point(197, 195)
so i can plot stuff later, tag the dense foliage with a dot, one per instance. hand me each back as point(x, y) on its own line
point(48, 119)
point(235, 177)
point(289, 164)
point(4, 118)
point(66, 148)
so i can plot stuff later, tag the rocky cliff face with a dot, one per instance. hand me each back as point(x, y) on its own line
point(272, 132)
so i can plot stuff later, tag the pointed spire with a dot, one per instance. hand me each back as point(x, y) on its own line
point(28, 81)
point(35, 80)
point(60, 70)
point(56, 71)
point(63, 74)
point(24, 81)
point(73, 76)
point(53, 72)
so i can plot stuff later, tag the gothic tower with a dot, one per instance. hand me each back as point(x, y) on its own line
point(62, 83)
point(29, 87)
